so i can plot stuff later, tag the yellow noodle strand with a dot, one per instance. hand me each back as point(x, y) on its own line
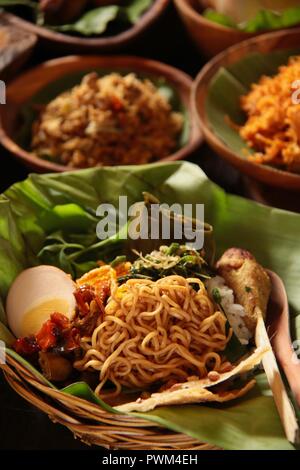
point(155, 332)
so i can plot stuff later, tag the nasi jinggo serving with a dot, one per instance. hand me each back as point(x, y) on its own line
point(146, 333)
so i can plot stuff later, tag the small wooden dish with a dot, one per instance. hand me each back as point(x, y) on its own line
point(16, 46)
point(73, 44)
point(282, 40)
point(210, 38)
point(286, 200)
point(21, 90)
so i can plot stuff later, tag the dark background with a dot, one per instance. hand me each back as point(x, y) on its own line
point(22, 426)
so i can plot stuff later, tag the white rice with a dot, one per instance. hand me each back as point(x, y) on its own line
point(234, 312)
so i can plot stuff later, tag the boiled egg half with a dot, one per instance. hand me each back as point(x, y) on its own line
point(37, 293)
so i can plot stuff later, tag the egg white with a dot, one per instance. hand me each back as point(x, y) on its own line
point(37, 293)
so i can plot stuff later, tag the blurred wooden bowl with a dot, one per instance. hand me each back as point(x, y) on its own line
point(288, 40)
point(16, 46)
point(74, 44)
point(27, 85)
point(270, 196)
point(210, 38)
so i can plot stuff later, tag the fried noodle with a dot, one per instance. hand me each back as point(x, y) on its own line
point(154, 332)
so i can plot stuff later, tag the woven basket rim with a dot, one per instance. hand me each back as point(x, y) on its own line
point(91, 423)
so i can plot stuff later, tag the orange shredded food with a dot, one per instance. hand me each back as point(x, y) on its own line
point(273, 125)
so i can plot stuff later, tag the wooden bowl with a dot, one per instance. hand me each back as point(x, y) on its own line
point(210, 38)
point(27, 85)
point(73, 44)
point(16, 46)
point(270, 196)
point(282, 40)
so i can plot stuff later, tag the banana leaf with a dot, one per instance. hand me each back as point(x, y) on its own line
point(92, 22)
point(96, 21)
point(29, 112)
point(35, 213)
point(226, 89)
point(10, 3)
point(135, 9)
point(264, 19)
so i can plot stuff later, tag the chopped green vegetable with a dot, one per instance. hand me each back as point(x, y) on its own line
point(168, 261)
point(217, 296)
point(291, 17)
point(248, 289)
point(219, 18)
point(263, 21)
point(117, 261)
point(135, 9)
point(173, 249)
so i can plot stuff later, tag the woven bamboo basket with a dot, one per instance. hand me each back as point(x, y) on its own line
point(89, 422)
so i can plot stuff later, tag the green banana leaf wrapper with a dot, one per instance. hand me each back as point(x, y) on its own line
point(237, 79)
point(52, 219)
